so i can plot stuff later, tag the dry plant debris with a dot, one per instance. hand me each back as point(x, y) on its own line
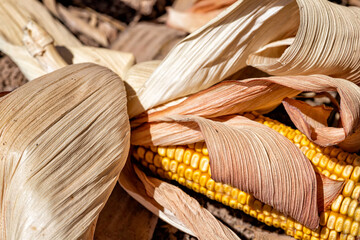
point(167, 91)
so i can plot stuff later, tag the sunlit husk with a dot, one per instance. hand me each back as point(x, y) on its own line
point(205, 58)
point(65, 138)
point(327, 42)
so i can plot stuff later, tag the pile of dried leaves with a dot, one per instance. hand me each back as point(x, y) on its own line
point(130, 72)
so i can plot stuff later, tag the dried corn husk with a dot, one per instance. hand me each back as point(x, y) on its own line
point(327, 42)
point(43, 46)
point(65, 138)
point(205, 58)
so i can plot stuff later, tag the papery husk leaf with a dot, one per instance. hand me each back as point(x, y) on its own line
point(328, 190)
point(198, 15)
point(65, 138)
point(186, 209)
point(272, 168)
point(227, 97)
point(349, 111)
point(15, 14)
point(218, 50)
point(130, 182)
point(327, 42)
point(119, 62)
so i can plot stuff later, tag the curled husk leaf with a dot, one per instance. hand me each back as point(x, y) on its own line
point(321, 46)
point(263, 94)
point(65, 138)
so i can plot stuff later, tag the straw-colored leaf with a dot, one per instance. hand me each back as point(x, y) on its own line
point(327, 42)
point(15, 14)
point(262, 156)
point(135, 188)
point(186, 209)
point(218, 49)
point(65, 138)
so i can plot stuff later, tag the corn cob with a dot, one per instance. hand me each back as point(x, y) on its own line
point(189, 166)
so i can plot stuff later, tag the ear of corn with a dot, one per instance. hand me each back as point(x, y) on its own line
point(190, 166)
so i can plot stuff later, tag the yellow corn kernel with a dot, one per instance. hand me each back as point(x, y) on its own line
point(306, 236)
point(192, 145)
point(204, 164)
point(260, 217)
point(253, 213)
point(290, 232)
point(187, 156)
point(350, 158)
point(195, 159)
point(225, 200)
point(352, 207)
point(348, 189)
point(162, 151)
point(345, 205)
point(234, 193)
point(181, 169)
point(354, 229)
point(179, 154)
point(141, 152)
point(195, 187)
point(290, 222)
point(218, 187)
point(204, 178)
point(227, 189)
point(203, 190)
point(333, 177)
point(342, 236)
point(204, 150)
point(339, 223)
point(316, 159)
point(335, 206)
point(257, 206)
point(210, 184)
point(356, 192)
point(335, 152)
point(175, 177)
point(326, 173)
point(149, 157)
point(347, 225)
point(270, 221)
point(357, 214)
point(157, 161)
point(233, 203)
point(349, 237)
point(310, 154)
point(198, 146)
point(275, 222)
point(355, 175)
point(323, 218)
point(333, 235)
point(356, 161)
point(331, 220)
point(323, 161)
point(324, 234)
point(348, 169)
point(153, 149)
point(298, 234)
point(266, 209)
point(298, 226)
point(160, 172)
point(173, 166)
point(165, 164)
point(342, 156)
point(242, 197)
point(196, 176)
point(170, 152)
point(188, 173)
point(339, 168)
point(210, 194)
point(331, 164)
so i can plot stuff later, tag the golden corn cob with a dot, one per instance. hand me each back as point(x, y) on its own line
point(189, 166)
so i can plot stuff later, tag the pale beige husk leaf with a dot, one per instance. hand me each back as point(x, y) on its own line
point(44, 50)
point(65, 138)
point(327, 42)
point(205, 57)
point(272, 168)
